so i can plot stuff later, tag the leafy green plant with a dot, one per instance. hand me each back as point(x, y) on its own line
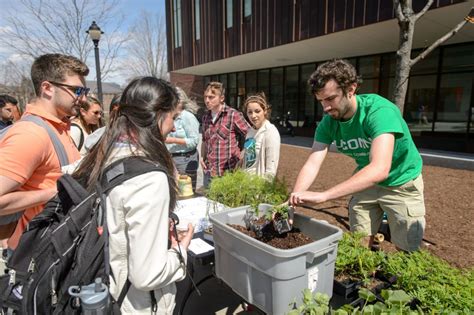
point(356, 261)
point(394, 302)
point(280, 211)
point(439, 287)
point(313, 304)
point(240, 188)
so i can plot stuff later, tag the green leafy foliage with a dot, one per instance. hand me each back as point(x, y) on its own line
point(355, 260)
point(280, 212)
point(439, 287)
point(313, 304)
point(240, 188)
point(394, 302)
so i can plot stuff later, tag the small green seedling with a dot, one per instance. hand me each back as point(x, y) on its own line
point(280, 216)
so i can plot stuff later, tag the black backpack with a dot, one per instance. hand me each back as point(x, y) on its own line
point(66, 245)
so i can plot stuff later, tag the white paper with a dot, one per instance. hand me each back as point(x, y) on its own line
point(196, 211)
point(198, 246)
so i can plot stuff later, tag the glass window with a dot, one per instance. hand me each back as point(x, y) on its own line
point(247, 8)
point(223, 79)
point(232, 90)
point(250, 82)
point(276, 92)
point(369, 86)
point(241, 89)
point(427, 65)
point(229, 15)
point(387, 87)
point(206, 81)
point(458, 58)
point(389, 63)
point(369, 67)
point(454, 102)
point(197, 19)
point(307, 109)
point(177, 23)
point(420, 104)
point(291, 95)
point(263, 82)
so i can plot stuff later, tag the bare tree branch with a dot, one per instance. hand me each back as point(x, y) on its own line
point(59, 26)
point(406, 23)
point(398, 10)
point(147, 47)
point(423, 11)
point(441, 40)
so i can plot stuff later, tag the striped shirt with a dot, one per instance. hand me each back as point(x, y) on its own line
point(223, 139)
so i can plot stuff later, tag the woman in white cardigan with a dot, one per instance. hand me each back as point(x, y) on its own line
point(142, 248)
point(262, 143)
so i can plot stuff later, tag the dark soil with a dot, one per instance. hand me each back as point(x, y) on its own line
point(294, 238)
point(448, 199)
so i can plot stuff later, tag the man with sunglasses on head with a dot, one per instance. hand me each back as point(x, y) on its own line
point(29, 163)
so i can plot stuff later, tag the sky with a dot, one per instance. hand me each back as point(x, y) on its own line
point(131, 10)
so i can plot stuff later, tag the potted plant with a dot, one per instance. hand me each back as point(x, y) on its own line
point(355, 265)
point(266, 276)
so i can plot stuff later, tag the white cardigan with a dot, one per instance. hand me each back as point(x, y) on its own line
point(267, 149)
point(137, 219)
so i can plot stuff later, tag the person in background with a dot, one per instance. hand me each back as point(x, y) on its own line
point(11, 103)
point(262, 144)
point(94, 137)
point(88, 120)
point(29, 164)
point(182, 143)
point(138, 210)
point(370, 129)
point(223, 134)
point(6, 115)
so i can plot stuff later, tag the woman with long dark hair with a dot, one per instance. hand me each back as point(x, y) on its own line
point(138, 210)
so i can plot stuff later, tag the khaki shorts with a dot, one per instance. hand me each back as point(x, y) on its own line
point(405, 208)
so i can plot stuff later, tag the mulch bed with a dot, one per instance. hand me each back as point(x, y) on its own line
point(448, 199)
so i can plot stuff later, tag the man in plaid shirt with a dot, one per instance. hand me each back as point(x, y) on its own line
point(223, 133)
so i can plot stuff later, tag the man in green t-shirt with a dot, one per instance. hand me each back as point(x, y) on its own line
point(371, 130)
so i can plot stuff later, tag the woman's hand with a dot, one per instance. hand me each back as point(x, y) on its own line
point(184, 239)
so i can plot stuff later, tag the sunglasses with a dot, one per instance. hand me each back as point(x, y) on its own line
point(77, 90)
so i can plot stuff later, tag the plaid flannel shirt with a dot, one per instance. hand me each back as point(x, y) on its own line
point(223, 139)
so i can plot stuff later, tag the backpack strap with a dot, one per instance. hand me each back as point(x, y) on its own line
point(58, 146)
point(114, 175)
point(124, 169)
point(81, 139)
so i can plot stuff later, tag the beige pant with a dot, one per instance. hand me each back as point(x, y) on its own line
point(405, 208)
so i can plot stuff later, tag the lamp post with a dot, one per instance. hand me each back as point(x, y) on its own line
point(95, 32)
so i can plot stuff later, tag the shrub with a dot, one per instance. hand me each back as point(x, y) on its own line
point(240, 188)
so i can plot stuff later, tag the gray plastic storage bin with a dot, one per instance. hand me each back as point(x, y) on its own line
point(268, 277)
